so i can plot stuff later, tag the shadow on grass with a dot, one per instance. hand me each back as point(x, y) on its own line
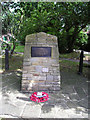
point(15, 62)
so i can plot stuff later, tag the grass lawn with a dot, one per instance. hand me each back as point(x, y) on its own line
point(70, 66)
point(16, 63)
point(19, 48)
point(72, 55)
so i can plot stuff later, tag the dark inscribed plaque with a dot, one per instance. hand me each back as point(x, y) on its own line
point(40, 51)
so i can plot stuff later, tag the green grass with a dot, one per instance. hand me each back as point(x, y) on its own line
point(70, 66)
point(86, 54)
point(74, 56)
point(70, 55)
point(15, 62)
point(19, 48)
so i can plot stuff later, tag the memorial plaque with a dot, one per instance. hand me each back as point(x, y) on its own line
point(40, 51)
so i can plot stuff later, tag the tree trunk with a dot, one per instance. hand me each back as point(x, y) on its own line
point(81, 63)
point(12, 50)
point(70, 43)
point(6, 59)
point(71, 40)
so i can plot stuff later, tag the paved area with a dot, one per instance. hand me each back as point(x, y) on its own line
point(70, 102)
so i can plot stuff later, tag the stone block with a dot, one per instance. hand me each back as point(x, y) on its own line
point(42, 88)
point(31, 71)
point(57, 81)
point(42, 40)
point(27, 63)
point(25, 68)
point(33, 60)
point(39, 78)
point(26, 60)
point(27, 75)
point(27, 50)
point(42, 78)
point(41, 83)
point(54, 73)
point(35, 63)
point(29, 78)
point(38, 68)
point(24, 78)
point(49, 81)
point(45, 70)
point(49, 77)
point(24, 86)
point(30, 89)
point(31, 68)
point(55, 65)
point(35, 74)
point(52, 83)
point(41, 36)
point(35, 88)
point(24, 71)
point(38, 81)
point(56, 77)
point(56, 56)
point(43, 74)
point(24, 75)
point(30, 38)
point(54, 88)
point(25, 82)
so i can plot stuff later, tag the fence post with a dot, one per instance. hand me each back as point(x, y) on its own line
point(6, 59)
point(81, 63)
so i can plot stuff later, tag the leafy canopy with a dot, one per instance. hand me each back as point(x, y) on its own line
point(63, 19)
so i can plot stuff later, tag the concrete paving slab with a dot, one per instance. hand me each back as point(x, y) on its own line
point(73, 114)
point(47, 111)
point(31, 111)
point(83, 103)
point(80, 92)
point(70, 102)
point(60, 113)
point(74, 97)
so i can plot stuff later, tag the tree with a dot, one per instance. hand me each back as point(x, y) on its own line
point(63, 19)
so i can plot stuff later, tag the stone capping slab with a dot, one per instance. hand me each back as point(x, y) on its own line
point(41, 44)
point(41, 37)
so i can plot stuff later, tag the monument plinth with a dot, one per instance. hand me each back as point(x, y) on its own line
point(41, 63)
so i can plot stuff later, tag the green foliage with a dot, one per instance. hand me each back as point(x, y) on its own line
point(73, 55)
point(19, 48)
point(3, 46)
point(63, 19)
point(81, 40)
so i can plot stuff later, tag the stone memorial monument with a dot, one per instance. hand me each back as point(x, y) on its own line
point(41, 63)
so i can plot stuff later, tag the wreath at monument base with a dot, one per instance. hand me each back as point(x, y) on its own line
point(39, 97)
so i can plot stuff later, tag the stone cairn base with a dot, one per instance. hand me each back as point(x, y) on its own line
point(41, 73)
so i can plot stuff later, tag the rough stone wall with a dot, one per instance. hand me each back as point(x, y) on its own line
point(34, 77)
